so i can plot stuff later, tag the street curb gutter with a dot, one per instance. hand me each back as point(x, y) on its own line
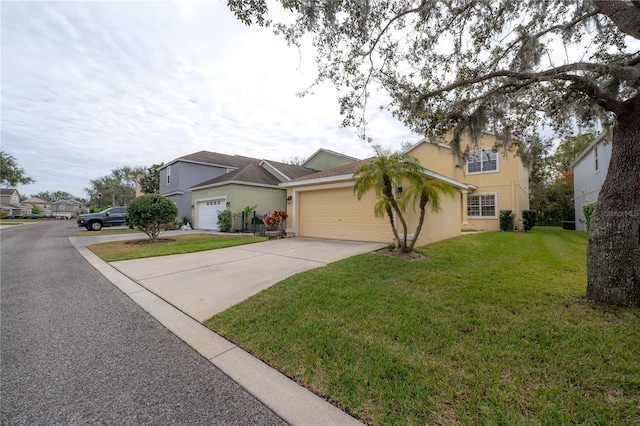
point(292, 402)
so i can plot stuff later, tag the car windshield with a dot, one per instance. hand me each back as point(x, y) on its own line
point(106, 210)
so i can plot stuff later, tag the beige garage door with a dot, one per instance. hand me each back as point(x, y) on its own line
point(338, 214)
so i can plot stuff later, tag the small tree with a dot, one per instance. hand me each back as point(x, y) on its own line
point(528, 219)
point(588, 211)
point(387, 171)
point(149, 213)
point(224, 220)
point(506, 219)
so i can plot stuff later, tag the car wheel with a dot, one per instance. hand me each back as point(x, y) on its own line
point(95, 226)
point(88, 228)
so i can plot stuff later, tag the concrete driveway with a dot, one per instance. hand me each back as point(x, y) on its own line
point(206, 283)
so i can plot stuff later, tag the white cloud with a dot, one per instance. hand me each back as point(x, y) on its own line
point(91, 86)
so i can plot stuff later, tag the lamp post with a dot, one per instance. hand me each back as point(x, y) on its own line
point(99, 200)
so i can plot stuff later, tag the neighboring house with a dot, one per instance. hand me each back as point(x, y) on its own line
point(325, 159)
point(227, 182)
point(254, 184)
point(323, 204)
point(589, 172)
point(10, 203)
point(44, 206)
point(181, 174)
point(66, 209)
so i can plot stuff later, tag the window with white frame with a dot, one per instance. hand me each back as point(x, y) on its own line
point(168, 175)
point(481, 205)
point(595, 152)
point(485, 160)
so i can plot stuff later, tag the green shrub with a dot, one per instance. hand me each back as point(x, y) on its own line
point(150, 213)
point(569, 224)
point(224, 220)
point(588, 211)
point(506, 219)
point(528, 219)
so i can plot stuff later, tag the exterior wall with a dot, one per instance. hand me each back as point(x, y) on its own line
point(510, 182)
point(336, 213)
point(587, 181)
point(333, 211)
point(436, 158)
point(437, 226)
point(239, 196)
point(184, 176)
point(325, 161)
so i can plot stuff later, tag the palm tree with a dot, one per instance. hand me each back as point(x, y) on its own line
point(427, 191)
point(387, 171)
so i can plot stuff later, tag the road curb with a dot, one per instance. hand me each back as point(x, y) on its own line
point(292, 402)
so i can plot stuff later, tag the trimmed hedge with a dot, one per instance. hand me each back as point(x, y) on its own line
point(506, 220)
point(224, 220)
point(588, 211)
point(528, 219)
point(569, 224)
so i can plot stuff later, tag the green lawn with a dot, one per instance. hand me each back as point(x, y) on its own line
point(489, 328)
point(191, 243)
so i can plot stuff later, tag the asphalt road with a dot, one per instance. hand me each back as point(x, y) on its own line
point(75, 350)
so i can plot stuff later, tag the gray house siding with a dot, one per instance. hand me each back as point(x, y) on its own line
point(185, 175)
point(587, 179)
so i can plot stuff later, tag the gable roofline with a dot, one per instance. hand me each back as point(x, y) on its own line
point(321, 150)
point(345, 173)
point(601, 137)
point(426, 140)
point(275, 169)
point(215, 159)
point(234, 182)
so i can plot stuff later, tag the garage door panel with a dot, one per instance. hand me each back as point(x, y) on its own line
point(338, 214)
point(208, 213)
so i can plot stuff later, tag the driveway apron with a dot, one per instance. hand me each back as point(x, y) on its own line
point(206, 283)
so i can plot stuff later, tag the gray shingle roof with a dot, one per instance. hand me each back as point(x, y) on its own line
point(208, 157)
point(251, 173)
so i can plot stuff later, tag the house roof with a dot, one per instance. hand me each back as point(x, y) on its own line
point(345, 172)
point(596, 141)
point(75, 202)
point(252, 173)
point(7, 191)
point(321, 150)
point(289, 171)
point(256, 174)
point(215, 159)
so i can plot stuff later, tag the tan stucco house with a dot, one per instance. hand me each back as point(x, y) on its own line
point(323, 204)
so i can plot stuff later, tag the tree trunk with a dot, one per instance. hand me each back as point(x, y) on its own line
point(613, 253)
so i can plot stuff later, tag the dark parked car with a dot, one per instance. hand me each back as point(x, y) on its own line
point(30, 216)
point(113, 216)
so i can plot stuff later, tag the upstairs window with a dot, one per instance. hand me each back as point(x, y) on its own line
point(168, 175)
point(595, 152)
point(482, 161)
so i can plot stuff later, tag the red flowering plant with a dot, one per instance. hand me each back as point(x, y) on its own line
point(275, 219)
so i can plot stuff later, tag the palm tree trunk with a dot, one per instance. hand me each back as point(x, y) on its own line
point(393, 225)
point(424, 199)
point(388, 192)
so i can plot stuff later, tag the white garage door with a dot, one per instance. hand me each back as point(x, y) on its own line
point(338, 214)
point(208, 213)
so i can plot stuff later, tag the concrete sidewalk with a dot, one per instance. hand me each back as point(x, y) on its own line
point(180, 291)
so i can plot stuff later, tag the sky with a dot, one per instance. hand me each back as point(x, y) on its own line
point(88, 87)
